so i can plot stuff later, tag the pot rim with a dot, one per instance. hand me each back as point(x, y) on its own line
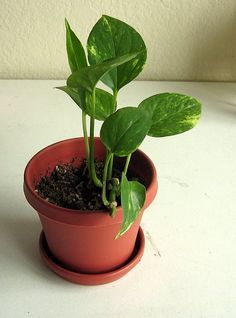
point(31, 195)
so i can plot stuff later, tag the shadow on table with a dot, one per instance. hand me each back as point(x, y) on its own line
point(22, 247)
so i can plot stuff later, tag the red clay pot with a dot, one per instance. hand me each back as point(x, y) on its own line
point(83, 241)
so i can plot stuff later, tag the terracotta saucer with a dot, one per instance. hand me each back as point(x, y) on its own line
point(91, 279)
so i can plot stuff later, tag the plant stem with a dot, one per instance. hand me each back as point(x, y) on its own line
point(127, 163)
point(113, 199)
point(93, 175)
point(104, 181)
point(115, 92)
point(110, 167)
point(85, 136)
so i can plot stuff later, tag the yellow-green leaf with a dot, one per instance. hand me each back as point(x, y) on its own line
point(112, 38)
point(89, 76)
point(172, 113)
point(133, 196)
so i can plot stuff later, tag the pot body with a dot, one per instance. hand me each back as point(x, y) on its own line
point(83, 241)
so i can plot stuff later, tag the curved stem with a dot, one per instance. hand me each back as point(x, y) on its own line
point(115, 92)
point(93, 175)
point(104, 181)
point(110, 167)
point(127, 163)
point(85, 135)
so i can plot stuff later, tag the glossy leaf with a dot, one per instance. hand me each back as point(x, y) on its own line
point(172, 113)
point(89, 76)
point(77, 96)
point(103, 102)
point(75, 51)
point(133, 196)
point(111, 38)
point(123, 131)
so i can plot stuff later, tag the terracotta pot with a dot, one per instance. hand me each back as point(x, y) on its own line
point(83, 241)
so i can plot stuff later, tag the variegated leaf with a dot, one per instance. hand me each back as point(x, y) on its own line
point(133, 196)
point(172, 113)
point(112, 38)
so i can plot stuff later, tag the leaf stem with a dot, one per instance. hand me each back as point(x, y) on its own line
point(85, 135)
point(115, 92)
point(104, 181)
point(113, 203)
point(110, 167)
point(93, 175)
point(127, 163)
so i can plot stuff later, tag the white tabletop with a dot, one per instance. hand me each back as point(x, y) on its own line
point(189, 265)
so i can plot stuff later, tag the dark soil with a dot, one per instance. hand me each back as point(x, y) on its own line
point(70, 187)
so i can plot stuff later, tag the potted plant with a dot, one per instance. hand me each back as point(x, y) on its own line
point(90, 193)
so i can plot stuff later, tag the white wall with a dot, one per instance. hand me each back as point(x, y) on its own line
point(186, 39)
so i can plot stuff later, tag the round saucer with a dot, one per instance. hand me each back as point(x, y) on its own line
point(92, 279)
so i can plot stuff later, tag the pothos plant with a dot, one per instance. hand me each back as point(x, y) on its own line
point(116, 54)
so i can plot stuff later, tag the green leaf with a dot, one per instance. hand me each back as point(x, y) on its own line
point(89, 76)
point(75, 51)
point(103, 102)
point(77, 60)
point(133, 196)
point(172, 113)
point(123, 131)
point(111, 38)
point(78, 97)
